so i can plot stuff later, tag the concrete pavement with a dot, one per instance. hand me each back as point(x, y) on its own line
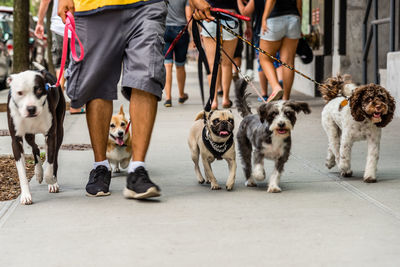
point(318, 219)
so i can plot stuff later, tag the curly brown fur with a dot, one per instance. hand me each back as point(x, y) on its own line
point(373, 102)
point(332, 88)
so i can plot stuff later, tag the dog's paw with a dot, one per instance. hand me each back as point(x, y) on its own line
point(274, 189)
point(330, 164)
point(250, 183)
point(48, 175)
point(215, 187)
point(369, 180)
point(39, 173)
point(54, 188)
point(258, 173)
point(347, 173)
point(26, 198)
point(229, 186)
point(201, 181)
point(208, 182)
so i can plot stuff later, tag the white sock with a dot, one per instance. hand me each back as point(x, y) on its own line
point(104, 163)
point(134, 164)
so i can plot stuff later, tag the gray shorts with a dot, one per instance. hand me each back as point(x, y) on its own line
point(56, 50)
point(131, 39)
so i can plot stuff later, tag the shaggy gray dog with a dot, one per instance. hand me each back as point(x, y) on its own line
point(265, 135)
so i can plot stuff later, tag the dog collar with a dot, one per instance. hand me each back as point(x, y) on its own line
point(217, 149)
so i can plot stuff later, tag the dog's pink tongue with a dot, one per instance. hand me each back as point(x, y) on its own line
point(223, 133)
point(120, 141)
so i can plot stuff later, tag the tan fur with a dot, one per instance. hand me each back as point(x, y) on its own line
point(119, 155)
point(198, 147)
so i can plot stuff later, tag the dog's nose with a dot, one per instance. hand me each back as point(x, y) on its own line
point(120, 133)
point(31, 110)
point(281, 124)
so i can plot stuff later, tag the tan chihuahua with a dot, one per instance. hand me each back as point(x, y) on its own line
point(119, 148)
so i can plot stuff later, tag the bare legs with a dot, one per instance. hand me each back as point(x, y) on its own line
point(225, 68)
point(142, 109)
point(180, 77)
point(287, 48)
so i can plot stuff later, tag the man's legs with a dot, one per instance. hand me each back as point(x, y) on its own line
point(143, 110)
point(168, 81)
point(181, 78)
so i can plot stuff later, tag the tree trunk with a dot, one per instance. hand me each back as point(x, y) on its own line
point(21, 36)
point(49, 40)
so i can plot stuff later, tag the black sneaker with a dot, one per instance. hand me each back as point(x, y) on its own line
point(139, 185)
point(99, 182)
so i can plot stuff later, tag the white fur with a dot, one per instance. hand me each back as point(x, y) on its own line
point(26, 197)
point(258, 172)
point(342, 131)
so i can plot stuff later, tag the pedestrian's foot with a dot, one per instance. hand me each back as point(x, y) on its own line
point(182, 100)
point(275, 95)
point(227, 104)
point(139, 185)
point(214, 105)
point(168, 103)
point(74, 111)
point(99, 182)
point(265, 97)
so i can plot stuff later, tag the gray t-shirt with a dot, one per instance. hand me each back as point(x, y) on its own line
point(176, 13)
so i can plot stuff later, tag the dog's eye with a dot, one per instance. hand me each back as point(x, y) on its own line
point(230, 120)
point(20, 93)
point(112, 125)
point(216, 121)
point(288, 113)
point(122, 124)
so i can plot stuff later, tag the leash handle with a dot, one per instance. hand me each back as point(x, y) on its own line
point(69, 26)
point(227, 12)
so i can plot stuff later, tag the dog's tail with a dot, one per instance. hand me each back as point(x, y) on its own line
point(337, 86)
point(241, 98)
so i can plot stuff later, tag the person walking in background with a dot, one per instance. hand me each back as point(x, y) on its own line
point(179, 13)
point(280, 31)
point(228, 44)
point(57, 28)
point(254, 9)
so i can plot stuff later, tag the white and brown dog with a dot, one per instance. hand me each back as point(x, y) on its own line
point(211, 137)
point(266, 135)
point(354, 113)
point(119, 147)
point(35, 107)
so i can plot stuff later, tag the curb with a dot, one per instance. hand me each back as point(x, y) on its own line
point(6, 209)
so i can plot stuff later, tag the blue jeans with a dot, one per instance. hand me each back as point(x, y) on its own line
point(178, 54)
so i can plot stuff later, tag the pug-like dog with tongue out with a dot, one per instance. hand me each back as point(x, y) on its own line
point(211, 137)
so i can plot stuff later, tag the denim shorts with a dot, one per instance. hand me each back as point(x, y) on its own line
point(178, 53)
point(283, 26)
point(212, 29)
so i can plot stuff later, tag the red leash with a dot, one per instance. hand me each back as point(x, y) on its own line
point(69, 26)
point(187, 25)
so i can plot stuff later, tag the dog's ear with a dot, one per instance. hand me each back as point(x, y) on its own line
point(390, 112)
point(121, 110)
point(9, 79)
point(356, 103)
point(48, 77)
point(263, 111)
point(200, 115)
point(299, 106)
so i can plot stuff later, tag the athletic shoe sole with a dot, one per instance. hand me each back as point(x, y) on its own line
point(151, 192)
point(99, 194)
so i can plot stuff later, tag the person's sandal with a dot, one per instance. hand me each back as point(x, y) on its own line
point(168, 103)
point(229, 105)
point(275, 96)
point(182, 100)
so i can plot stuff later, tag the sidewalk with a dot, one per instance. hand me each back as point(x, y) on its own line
point(318, 219)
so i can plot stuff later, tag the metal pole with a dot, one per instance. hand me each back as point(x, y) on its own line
point(375, 33)
point(392, 36)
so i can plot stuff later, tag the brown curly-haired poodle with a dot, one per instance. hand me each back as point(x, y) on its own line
point(354, 115)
